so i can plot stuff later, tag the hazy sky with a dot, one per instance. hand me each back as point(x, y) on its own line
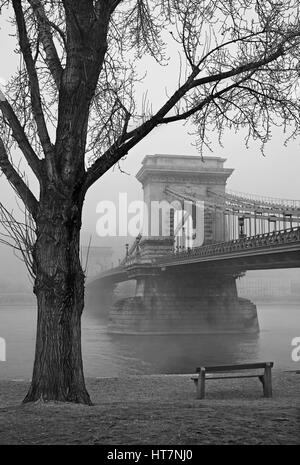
point(275, 175)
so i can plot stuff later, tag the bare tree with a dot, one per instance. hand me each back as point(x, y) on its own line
point(72, 111)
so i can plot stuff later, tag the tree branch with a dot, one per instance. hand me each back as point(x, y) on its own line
point(117, 151)
point(52, 59)
point(112, 4)
point(240, 69)
point(20, 137)
point(206, 101)
point(86, 48)
point(21, 236)
point(33, 78)
point(17, 182)
point(112, 156)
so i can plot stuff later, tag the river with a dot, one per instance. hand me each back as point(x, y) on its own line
point(113, 355)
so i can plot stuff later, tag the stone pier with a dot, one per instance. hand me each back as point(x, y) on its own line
point(186, 305)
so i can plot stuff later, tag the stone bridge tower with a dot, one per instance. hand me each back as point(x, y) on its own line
point(192, 177)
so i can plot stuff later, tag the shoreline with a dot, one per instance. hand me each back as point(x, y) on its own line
point(157, 409)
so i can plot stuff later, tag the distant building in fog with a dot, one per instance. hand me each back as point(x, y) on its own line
point(96, 259)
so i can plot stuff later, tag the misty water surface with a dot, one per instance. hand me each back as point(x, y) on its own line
point(112, 355)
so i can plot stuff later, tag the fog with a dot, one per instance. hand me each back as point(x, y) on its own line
point(276, 174)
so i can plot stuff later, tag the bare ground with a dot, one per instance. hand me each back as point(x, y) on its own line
point(157, 410)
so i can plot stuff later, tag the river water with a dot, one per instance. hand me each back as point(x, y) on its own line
point(113, 355)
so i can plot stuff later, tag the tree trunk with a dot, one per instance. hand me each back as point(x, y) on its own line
point(59, 288)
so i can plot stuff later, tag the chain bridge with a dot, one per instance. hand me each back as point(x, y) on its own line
point(198, 239)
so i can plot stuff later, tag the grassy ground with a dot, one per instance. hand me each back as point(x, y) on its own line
point(157, 410)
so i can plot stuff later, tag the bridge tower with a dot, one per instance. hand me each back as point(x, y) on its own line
point(165, 176)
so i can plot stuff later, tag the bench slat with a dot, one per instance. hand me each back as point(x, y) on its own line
point(195, 378)
point(243, 366)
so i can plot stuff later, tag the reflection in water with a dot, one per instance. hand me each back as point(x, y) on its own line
point(119, 355)
point(181, 354)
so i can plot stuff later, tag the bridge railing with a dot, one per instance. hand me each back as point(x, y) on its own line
point(132, 252)
point(258, 199)
point(271, 239)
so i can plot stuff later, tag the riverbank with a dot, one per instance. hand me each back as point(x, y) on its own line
point(157, 409)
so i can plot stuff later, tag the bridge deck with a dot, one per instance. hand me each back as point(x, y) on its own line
point(269, 251)
point(277, 241)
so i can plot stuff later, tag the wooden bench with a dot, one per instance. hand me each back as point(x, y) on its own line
point(265, 378)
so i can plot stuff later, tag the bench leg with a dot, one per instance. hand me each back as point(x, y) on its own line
point(196, 386)
point(200, 386)
point(267, 385)
point(262, 380)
